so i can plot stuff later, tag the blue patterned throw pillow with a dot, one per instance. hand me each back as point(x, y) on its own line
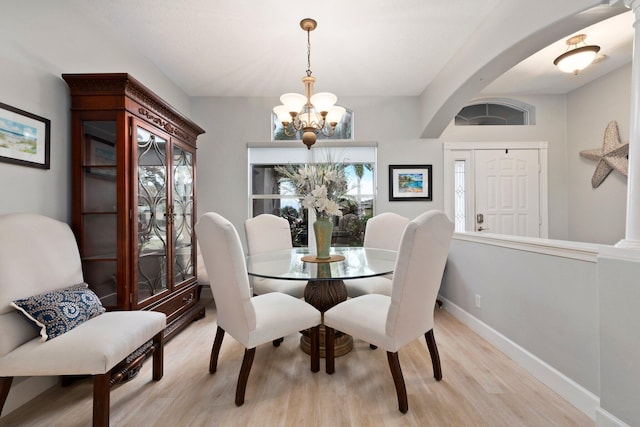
point(57, 312)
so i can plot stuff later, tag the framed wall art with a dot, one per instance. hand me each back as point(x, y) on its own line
point(24, 138)
point(410, 182)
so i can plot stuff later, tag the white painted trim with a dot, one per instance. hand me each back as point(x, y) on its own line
point(605, 419)
point(574, 393)
point(616, 252)
point(628, 244)
point(543, 181)
point(340, 143)
point(515, 145)
point(558, 248)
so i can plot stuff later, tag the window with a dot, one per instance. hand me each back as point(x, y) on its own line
point(496, 112)
point(459, 195)
point(344, 129)
point(269, 195)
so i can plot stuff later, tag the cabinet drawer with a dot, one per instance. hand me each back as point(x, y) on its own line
point(177, 303)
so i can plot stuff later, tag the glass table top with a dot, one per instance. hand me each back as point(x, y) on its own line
point(287, 264)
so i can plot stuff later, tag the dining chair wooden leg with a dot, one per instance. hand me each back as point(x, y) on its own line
point(277, 342)
point(247, 361)
point(315, 348)
point(398, 379)
point(329, 349)
point(215, 350)
point(435, 357)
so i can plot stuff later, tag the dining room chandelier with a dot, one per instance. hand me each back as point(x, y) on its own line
point(576, 59)
point(310, 113)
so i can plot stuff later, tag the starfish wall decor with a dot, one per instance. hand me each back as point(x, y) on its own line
point(613, 155)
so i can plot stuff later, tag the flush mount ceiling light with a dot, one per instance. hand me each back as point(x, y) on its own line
point(311, 113)
point(576, 58)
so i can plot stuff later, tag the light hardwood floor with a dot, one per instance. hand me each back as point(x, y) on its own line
point(480, 387)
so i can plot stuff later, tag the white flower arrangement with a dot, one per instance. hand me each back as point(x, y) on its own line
point(319, 201)
point(322, 186)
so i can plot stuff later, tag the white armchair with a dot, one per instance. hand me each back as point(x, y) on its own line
point(391, 322)
point(250, 320)
point(382, 231)
point(40, 255)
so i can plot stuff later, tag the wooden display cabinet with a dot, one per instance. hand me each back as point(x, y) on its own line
point(134, 197)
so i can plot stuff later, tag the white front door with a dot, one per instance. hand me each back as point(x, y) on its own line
point(507, 192)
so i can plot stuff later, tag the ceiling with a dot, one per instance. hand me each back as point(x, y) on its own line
point(377, 48)
point(537, 74)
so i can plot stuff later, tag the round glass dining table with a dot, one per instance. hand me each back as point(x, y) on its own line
point(325, 278)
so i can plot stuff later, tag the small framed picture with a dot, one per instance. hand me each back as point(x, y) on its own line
point(24, 138)
point(410, 182)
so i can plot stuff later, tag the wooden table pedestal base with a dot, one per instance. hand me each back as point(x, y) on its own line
point(343, 342)
point(324, 294)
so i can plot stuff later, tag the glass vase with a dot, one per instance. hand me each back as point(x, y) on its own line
point(323, 228)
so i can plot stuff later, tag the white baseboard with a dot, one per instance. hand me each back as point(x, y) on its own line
point(605, 419)
point(24, 389)
point(571, 391)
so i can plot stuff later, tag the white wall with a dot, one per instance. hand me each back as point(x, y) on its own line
point(546, 304)
point(233, 122)
point(38, 45)
point(597, 214)
point(618, 273)
point(32, 58)
point(572, 123)
point(566, 311)
point(29, 189)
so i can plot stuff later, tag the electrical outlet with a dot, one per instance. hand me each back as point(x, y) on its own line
point(478, 301)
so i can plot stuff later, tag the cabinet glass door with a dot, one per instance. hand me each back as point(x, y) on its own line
point(182, 214)
point(98, 208)
point(152, 214)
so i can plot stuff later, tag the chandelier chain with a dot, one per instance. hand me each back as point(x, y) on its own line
point(308, 53)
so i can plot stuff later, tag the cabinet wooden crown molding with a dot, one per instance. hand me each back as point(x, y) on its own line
point(150, 106)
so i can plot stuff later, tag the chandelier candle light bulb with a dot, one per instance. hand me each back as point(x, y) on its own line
point(310, 113)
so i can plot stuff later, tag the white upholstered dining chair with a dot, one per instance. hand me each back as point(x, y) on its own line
point(382, 231)
point(250, 320)
point(267, 232)
point(391, 322)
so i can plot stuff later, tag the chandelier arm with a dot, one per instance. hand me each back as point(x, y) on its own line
point(287, 131)
point(297, 125)
point(328, 131)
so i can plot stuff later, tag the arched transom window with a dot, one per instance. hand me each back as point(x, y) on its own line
point(496, 112)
